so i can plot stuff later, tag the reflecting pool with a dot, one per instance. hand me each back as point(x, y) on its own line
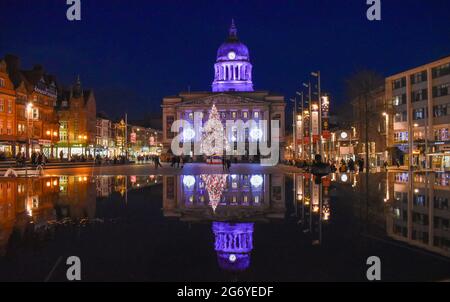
point(220, 227)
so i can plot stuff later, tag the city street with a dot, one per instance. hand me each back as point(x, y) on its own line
point(233, 142)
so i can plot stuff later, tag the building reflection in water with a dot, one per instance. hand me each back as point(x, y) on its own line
point(312, 200)
point(232, 203)
point(233, 244)
point(419, 212)
point(35, 206)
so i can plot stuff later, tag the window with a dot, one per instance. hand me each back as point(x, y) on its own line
point(9, 128)
point(400, 117)
point(401, 136)
point(440, 110)
point(35, 113)
point(256, 114)
point(191, 116)
point(233, 114)
point(169, 121)
point(10, 110)
point(2, 105)
point(441, 134)
point(245, 114)
point(419, 77)
point(399, 100)
point(441, 71)
point(440, 90)
point(2, 82)
point(20, 128)
point(419, 95)
point(419, 114)
point(399, 83)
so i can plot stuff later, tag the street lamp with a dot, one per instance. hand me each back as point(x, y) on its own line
point(308, 85)
point(317, 75)
point(29, 110)
point(386, 115)
point(294, 125)
point(302, 125)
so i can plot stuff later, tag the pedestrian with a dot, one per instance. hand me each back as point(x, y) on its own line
point(39, 159)
point(228, 164)
point(61, 155)
point(224, 163)
point(157, 162)
point(385, 164)
point(351, 165)
point(33, 158)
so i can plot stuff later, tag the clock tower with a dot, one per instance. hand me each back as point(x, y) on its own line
point(232, 70)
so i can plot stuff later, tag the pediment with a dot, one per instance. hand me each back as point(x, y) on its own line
point(221, 99)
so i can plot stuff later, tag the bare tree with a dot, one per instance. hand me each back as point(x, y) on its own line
point(361, 88)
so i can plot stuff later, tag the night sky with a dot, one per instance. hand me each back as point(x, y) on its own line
point(132, 53)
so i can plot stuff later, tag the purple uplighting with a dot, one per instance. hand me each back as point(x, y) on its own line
point(233, 70)
point(233, 244)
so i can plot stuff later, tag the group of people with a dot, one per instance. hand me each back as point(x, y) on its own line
point(350, 165)
point(106, 160)
point(176, 160)
point(226, 163)
point(36, 158)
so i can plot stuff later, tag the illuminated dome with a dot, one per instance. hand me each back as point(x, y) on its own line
point(233, 245)
point(232, 44)
point(233, 70)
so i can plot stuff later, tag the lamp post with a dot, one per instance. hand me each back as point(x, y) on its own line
point(317, 75)
point(302, 125)
point(310, 119)
point(294, 126)
point(353, 134)
point(29, 110)
point(386, 115)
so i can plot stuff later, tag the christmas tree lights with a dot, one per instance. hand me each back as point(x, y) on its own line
point(213, 138)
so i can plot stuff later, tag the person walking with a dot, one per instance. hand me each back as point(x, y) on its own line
point(224, 163)
point(228, 162)
point(361, 165)
point(157, 162)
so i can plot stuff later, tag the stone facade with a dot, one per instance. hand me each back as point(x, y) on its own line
point(232, 94)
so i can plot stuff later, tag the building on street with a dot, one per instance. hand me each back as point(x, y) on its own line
point(233, 95)
point(421, 101)
point(78, 123)
point(36, 123)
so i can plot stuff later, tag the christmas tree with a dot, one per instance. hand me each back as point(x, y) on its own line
point(213, 138)
point(215, 185)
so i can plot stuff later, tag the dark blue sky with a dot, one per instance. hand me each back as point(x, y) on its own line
point(132, 52)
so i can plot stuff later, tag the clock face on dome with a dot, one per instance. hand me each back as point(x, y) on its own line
point(231, 55)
